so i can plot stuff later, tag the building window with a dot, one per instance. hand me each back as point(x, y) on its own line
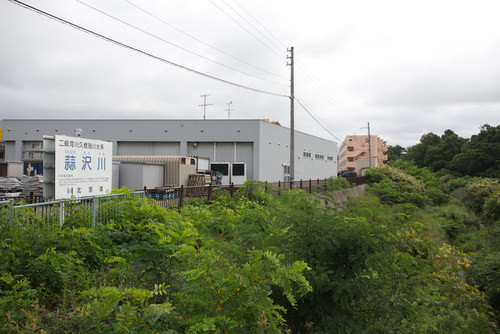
point(307, 154)
point(286, 173)
point(36, 146)
point(350, 159)
point(319, 156)
point(350, 148)
point(329, 158)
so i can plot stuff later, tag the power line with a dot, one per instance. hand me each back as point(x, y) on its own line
point(310, 114)
point(308, 77)
point(204, 43)
point(108, 39)
point(173, 44)
point(308, 106)
point(321, 89)
point(306, 73)
point(258, 22)
point(249, 32)
point(251, 25)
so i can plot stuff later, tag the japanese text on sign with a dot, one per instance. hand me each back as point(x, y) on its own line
point(83, 167)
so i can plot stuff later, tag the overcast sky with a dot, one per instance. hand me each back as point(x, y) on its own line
point(407, 67)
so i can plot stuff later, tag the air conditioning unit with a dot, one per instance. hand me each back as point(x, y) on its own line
point(224, 168)
point(238, 172)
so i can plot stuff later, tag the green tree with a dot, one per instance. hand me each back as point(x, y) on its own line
point(418, 152)
point(394, 152)
point(438, 156)
point(481, 155)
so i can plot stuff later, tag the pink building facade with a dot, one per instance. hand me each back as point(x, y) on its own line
point(353, 153)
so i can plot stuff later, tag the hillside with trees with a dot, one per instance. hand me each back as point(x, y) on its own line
point(449, 153)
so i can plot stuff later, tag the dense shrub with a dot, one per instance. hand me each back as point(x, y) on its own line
point(251, 263)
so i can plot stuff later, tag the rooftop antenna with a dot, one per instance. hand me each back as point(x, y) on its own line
point(204, 105)
point(229, 109)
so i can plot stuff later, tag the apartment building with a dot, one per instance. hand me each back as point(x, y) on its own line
point(354, 153)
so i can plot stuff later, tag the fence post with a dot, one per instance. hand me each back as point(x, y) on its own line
point(61, 214)
point(209, 195)
point(94, 210)
point(182, 195)
point(11, 212)
point(31, 199)
point(231, 189)
point(301, 184)
point(310, 189)
point(325, 186)
point(279, 187)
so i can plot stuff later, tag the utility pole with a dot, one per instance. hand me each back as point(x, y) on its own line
point(292, 120)
point(229, 109)
point(204, 105)
point(369, 147)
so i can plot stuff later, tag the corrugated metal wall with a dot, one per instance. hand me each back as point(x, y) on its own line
point(148, 148)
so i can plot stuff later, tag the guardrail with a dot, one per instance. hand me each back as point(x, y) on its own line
point(101, 209)
point(54, 214)
point(175, 197)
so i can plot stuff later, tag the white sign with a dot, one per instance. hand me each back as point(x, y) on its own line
point(83, 167)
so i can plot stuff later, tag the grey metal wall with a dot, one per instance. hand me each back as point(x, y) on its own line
point(263, 146)
point(225, 152)
point(148, 148)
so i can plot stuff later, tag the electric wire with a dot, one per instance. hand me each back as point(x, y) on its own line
point(113, 41)
point(251, 25)
point(322, 90)
point(308, 106)
point(173, 44)
point(315, 83)
point(259, 23)
point(248, 31)
point(204, 43)
point(313, 117)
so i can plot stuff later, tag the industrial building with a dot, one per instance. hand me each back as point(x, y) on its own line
point(262, 147)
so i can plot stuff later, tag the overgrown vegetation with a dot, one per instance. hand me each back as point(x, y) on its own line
point(451, 154)
point(408, 257)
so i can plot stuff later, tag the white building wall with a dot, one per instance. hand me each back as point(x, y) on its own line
point(275, 153)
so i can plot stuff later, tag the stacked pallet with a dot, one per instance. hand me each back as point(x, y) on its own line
point(31, 184)
point(9, 184)
point(198, 184)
